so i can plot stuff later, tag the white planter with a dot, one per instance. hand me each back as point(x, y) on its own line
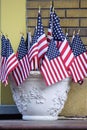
point(36, 101)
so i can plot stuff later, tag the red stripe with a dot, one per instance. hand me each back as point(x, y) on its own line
point(44, 68)
point(50, 71)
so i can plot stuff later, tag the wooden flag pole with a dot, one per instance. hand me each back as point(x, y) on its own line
point(52, 3)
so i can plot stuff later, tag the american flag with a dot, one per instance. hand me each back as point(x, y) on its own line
point(3, 57)
point(11, 61)
point(41, 38)
point(22, 71)
point(53, 68)
point(64, 46)
point(78, 67)
point(33, 52)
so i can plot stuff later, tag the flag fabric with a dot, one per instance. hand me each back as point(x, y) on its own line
point(53, 68)
point(64, 47)
point(78, 67)
point(33, 52)
point(10, 61)
point(22, 71)
point(41, 38)
point(3, 58)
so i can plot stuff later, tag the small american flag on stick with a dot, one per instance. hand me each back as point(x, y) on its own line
point(41, 38)
point(33, 52)
point(53, 68)
point(78, 67)
point(22, 71)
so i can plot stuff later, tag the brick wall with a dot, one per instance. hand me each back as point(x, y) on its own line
point(72, 13)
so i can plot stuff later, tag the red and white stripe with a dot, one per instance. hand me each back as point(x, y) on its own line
point(66, 53)
point(49, 35)
point(8, 65)
point(34, 63)
point(3, 68)
point(78, 67)
point(33, 56)
point(33, 52)
point(42, 46)
point(22, 71)
point(53, 70)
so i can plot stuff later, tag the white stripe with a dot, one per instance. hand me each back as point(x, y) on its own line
point(36, 62)
point(42, 52)
point(49, 74)
point(73, 73)
point(19, 75)
point(49, 30)
point(45, 75)
point(69, 60)
point(74, 66)
point(62, 45)
point(53, 73)
point(56, 71)
point(66, 74)
point(49, 37)
point(10, 60)
point(42, 44)
point(10, 67)
point(78, 69)
point(32, 65)
point(16, 77)
point(83, 60)
point(82, 67)
point(66, 52)
point(25, 67)
point(21, 69)
point(59, 68)
point(41, 37)
point(34, 54)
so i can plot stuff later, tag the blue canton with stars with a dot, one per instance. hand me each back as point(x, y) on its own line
point(52, 51)
point(57, 31)
point(40, 29)
point(9, 49)
point(22, 50)
point(34, 37)
point(52, 19)
point(3, 45)
point(77, 46)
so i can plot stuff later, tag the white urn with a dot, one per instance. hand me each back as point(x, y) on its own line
point(36, 101)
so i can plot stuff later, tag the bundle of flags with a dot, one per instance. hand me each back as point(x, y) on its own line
point(39, 45)
point(76, 67)
point(8, 59)
point(54, 55)
point(21, 72)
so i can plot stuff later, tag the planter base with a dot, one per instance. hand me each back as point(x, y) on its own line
point(39, 117)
